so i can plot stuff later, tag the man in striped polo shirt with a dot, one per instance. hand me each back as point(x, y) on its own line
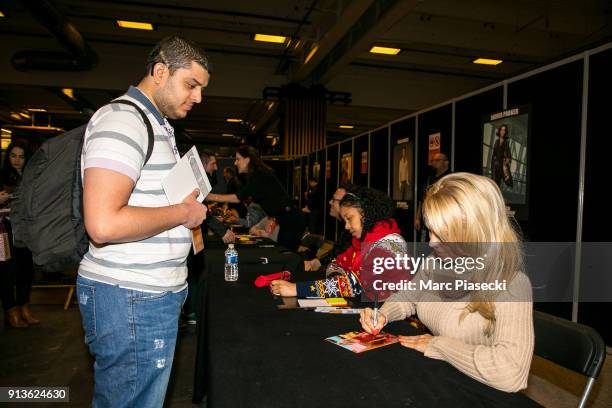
point(131, 284)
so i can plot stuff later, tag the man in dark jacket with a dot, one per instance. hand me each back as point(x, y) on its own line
point(344, 241)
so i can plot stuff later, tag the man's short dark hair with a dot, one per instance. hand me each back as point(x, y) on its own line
point(177, 52)
point(205, 155)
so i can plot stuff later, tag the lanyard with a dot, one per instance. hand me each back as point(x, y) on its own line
point(171, 139)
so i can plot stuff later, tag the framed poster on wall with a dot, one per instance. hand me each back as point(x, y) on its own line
point(434, 147)
point(364, 162)
point(402, 170)
point(297, 182)
point(346, 167)
point(505, 140)
point(316, 170)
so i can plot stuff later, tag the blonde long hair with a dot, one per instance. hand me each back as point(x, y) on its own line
point(466, 208)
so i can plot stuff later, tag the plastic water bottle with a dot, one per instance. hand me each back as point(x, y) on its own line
point(231, 264)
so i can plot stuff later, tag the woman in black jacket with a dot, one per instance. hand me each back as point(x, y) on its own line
point(267, 191)
point(17, 273)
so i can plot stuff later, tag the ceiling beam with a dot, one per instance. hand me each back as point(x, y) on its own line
point(346, 19)
point(373, 23)
point(177, 9)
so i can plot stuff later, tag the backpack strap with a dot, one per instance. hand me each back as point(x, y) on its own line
point(147, 124)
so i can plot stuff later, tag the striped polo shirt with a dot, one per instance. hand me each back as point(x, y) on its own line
point(116, 139)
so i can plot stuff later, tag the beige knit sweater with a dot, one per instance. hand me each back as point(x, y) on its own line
point(501, 360)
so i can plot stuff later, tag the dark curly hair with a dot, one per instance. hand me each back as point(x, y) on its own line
point(373, 205)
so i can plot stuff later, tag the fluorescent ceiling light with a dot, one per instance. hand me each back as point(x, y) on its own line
point(312, 52)
point(346, 126)
point(69, 92)
point(487, 61)
point(227, 135)
point(234, 120)
point(384, 50)
point(37, 109)
point(136, 25)
point(277, 39)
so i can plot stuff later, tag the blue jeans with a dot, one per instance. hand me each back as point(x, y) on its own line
point(131, 335)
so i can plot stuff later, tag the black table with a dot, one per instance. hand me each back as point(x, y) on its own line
point(259, 356)
point(254, 260)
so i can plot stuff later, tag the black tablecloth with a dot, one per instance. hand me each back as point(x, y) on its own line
point(253, 260)
point(259, 356)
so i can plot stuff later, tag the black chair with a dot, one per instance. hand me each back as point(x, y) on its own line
point(570, 345)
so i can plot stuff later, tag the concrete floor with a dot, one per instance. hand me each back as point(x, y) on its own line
point(54, 354)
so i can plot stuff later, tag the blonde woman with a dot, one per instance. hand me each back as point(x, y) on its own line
point(486, 334)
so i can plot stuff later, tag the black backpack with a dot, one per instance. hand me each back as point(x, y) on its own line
point(47, 212)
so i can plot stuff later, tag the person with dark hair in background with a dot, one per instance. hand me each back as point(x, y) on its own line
point(502, 157)
point(209, 161)
point(132, 281)
point(232, 185)
point(368, 217)
point(314, 206)
point(231, 181)
point(269, 193)
point(439, 168)
point(344, 241)
point(17, 273)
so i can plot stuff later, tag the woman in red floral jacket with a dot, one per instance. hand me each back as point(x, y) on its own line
point(367, 214)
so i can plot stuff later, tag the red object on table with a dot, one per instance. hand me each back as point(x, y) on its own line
point(265, 280)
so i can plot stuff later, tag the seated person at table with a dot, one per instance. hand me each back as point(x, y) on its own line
point(343, 242)
point(267, 227)
point(486, 334)
point(254, 214)
point(367, 214)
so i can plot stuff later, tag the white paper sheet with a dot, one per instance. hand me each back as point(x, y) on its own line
point(313, 303)
point(186, 175)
